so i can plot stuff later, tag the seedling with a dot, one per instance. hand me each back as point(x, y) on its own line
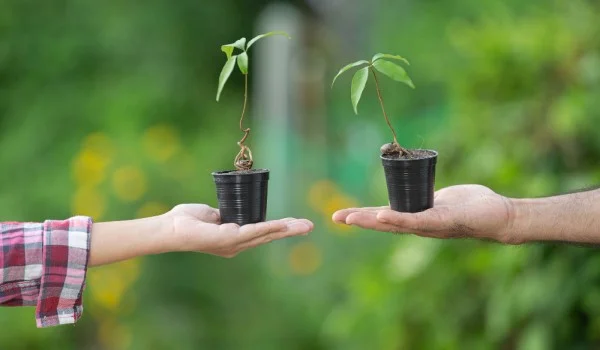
point(242, 193)
point(383, 63)
point(409, 174)
point(243, 160)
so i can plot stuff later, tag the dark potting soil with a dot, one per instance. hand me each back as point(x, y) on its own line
point(244, 172)
point(412, 154)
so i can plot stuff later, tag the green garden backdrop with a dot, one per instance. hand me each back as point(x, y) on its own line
point(107, 109)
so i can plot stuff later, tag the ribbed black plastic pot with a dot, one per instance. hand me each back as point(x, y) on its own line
point(410, 182)
point(242, 196)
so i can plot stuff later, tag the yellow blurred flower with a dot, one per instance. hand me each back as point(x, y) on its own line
point(340, 229)
point(319, 193)
point(335, 203)
point(129, 183)
point(325, 197)
point(88, 201)
point(108, 284)
point(305, 258)
point(152, 209)
point(161, 142)
point(106, 287)
point(129, 270)
point(99, 143)
point(89, 166)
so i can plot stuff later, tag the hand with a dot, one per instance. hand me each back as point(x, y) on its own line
point(459, 211)
point(198, 228)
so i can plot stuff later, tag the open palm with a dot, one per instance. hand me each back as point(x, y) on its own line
point(459, 211)
point(198, 227)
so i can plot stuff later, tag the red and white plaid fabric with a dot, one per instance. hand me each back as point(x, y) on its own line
point(44, 265)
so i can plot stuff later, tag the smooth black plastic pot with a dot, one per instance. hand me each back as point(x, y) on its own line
point(242, 195)
point(410, 182)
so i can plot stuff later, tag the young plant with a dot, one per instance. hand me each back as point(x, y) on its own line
point(243, 160)
point(380, 62)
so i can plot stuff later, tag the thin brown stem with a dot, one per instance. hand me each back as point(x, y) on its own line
point(244, 107)
point(382, 108)
point(243, 160)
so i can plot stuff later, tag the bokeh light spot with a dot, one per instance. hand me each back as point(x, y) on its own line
point(152, 209)
point(129, 183)
point(88, 201)
point(305, 258)
point(161, 142)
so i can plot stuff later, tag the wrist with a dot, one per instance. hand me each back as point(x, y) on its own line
point(160, 229)
point(518, 222)
point(121, 240)
point(509, 232)
point(532, 222)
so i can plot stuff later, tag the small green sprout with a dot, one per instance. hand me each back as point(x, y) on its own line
point(382, 63)
point(243, 160)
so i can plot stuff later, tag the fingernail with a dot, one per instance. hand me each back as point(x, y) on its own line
point(297, 223)
point(309, 223)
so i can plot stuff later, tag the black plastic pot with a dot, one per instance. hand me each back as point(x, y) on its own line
point(242, 195)
point(410, 182)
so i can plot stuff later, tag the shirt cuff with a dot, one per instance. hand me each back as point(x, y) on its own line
point(65, 256)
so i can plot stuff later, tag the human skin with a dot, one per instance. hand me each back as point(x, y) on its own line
point(186, 227)
point(475, 211)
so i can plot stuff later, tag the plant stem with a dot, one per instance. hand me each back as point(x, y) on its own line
point(246, 131)
point(382, 108)
point(243, 160)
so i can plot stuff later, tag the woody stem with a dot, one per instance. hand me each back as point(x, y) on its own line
point(382, 108)
point(245, 131)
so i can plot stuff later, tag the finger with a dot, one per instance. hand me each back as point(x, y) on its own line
point(204, 213)
point(341, 215)
point(251, 231)
point(438, 196)
point(298, 227)
point(368, 220)
point(211, 215)
point(430, 220)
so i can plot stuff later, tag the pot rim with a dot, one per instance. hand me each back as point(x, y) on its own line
point(232, 172)
point(433, 155)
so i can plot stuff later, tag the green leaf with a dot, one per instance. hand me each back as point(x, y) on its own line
point(359, 80)
point(225, 73)
point(393, 57)
point(351, 65)
point(393, 71)
point(242, 61)
point(228, 49)
point(258, 37)
point(240, 43)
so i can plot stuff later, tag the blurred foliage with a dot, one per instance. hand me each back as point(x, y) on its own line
point(520, 81)
point(107, 109)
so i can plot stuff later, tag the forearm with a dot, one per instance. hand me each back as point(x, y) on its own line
point(121, 240)
point(569, 218)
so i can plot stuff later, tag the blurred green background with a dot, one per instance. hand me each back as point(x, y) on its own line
point(107, 109)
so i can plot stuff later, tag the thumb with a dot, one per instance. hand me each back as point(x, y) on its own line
point(200, 212)
point(425, 221)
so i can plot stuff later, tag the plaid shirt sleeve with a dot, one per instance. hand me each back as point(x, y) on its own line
point(44, 265)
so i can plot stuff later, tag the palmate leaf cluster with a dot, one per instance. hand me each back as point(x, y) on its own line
point(241, 59)
point(382, 63)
